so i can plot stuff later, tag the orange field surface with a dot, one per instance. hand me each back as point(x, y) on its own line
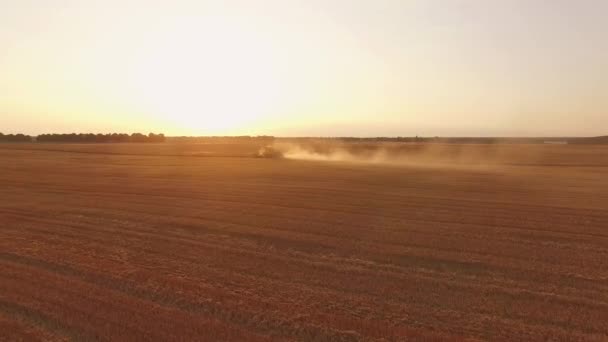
point(204, 242)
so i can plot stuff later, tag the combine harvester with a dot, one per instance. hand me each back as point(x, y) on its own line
point(269, 152)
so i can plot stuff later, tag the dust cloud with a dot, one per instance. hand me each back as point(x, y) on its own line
point(415, 154)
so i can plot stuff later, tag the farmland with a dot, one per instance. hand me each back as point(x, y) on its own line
point(204, 242)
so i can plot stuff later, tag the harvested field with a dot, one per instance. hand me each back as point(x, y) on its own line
point(158, 242)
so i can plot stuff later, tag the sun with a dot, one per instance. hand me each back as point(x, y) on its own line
point(216, 80)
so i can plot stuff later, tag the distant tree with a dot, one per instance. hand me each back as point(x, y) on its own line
point(156, 138)
point(96, 138)
point(138, 138)
point(13, 138)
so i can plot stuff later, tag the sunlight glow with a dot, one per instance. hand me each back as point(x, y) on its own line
point(215, 80)
point(312, 68)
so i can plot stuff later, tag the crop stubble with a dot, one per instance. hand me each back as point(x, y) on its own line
point(160, 247)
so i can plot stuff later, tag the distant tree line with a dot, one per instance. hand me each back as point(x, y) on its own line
point(102, 138)
point(458, 140)
point(594, 140)
point(86, 138)
point(15, 138)
point(267, 139)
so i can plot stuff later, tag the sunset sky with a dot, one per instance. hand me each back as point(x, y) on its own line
point(307, 67)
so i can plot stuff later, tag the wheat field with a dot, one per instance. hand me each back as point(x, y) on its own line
point(205, 242)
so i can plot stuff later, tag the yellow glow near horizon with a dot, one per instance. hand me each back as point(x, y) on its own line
point(215, 79)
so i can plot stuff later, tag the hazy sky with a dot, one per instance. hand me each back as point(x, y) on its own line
point(305, 67)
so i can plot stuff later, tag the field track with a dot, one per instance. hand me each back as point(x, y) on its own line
point(104, 245)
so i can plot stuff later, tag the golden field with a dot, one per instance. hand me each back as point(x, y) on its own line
point(205, 242)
